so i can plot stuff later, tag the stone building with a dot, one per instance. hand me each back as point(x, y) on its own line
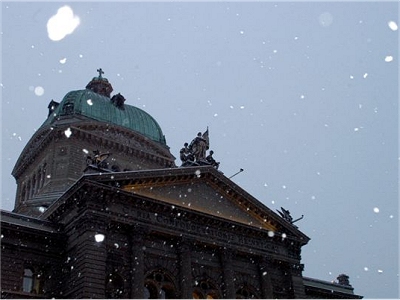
point(102, 211)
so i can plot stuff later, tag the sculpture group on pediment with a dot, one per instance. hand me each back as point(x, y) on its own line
point(98, 159)
point(195, 153)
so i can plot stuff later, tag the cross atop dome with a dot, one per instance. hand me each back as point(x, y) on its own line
point(100, 85)
point(100, 72)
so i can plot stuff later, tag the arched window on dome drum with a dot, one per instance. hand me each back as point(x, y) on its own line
point(23, 192)
point(43, 175)
point(28, 190)
point(33, 186)
point(38, 179)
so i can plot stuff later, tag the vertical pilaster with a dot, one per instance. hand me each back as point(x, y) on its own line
point(228, 273)
point(265, 278)
point(297, 281)
point(87, 264)
point(137, 263)
point(185, 263)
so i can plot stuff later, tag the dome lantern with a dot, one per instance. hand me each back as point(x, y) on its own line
point(100, 85)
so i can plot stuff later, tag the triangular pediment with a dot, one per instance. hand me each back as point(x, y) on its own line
point(207, 191)
point(199, 195)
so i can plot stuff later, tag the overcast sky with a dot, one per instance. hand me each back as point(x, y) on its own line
point(303, 96)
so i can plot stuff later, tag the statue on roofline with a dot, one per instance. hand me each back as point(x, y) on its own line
point(195, 153)
point(285, 214)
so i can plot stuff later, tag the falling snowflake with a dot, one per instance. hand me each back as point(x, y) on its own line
point(376, 210)
point(389, 58)
point(39, 91)
point(68, 132)
point(325, 19)
point(392, 25)
point(62, 23)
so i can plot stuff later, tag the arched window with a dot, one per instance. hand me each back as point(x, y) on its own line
point(23, 192)
point(27, 283)
point(28, 190)
point(33, 186)
point(43, 174)
point(38, 178)
point(246, 292)
point(206, 289)
point(32, 282)
point(159, 285)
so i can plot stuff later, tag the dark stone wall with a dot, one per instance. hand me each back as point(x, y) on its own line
point(42, 252)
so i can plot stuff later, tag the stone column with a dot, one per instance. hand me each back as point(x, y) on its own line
point(265, 278)
point(228, 273)
point(185, 272)
point(137, 263)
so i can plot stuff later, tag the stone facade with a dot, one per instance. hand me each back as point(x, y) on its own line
point(154, 244)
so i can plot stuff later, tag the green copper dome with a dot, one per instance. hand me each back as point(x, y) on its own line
point(101, 108)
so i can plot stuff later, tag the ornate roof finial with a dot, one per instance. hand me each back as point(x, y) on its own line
point(100, 72)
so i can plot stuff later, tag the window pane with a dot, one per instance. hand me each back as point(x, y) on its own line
point(27, 283)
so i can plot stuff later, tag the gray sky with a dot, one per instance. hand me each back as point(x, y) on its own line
point(303, 96)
